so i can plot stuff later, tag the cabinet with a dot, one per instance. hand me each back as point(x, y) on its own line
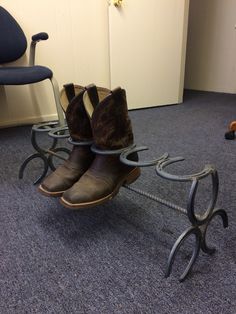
point(147, 41)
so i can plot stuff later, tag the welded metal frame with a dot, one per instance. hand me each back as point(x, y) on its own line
point(199, 222)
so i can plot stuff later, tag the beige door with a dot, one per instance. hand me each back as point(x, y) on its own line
point(147, 50)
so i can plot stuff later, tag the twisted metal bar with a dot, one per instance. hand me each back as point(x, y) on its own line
point(157, 199)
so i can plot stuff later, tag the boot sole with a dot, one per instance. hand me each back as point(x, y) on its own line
point(48, 193)
point(131, 177)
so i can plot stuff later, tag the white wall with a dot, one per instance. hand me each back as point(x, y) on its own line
point(77, 51)
point(211, 46)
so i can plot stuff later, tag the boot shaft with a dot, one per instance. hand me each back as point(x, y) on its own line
point(77, 119)
point(68, 92)
point(111, 125)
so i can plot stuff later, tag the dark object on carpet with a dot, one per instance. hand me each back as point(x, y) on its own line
point(230, 135)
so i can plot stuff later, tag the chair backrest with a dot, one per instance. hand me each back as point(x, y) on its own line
point(13, 42)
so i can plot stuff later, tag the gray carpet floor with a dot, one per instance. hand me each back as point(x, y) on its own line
point(112, 258)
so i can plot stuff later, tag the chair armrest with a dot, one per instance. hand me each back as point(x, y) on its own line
point(35, 39)
point(39, 36)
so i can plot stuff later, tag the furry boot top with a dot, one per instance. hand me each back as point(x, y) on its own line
point(112, 130)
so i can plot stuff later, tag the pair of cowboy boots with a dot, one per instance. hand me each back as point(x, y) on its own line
point(95, 116)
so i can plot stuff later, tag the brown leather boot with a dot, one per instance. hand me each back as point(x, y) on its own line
point(80, 131)
point(111, 131)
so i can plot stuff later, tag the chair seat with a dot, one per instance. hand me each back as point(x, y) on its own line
point(24, 75)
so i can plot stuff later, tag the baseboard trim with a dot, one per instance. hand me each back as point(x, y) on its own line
point(28, 120)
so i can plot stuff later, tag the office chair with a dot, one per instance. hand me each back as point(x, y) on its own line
point(13, 45)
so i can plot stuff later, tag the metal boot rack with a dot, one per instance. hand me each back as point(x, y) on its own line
point(199, 223)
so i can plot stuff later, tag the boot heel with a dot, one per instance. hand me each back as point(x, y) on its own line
point(133, 176)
